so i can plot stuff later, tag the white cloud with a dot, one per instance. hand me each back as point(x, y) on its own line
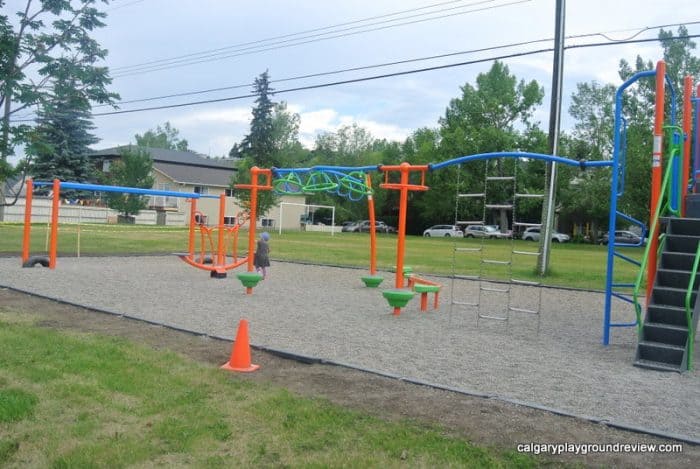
point(330, 120)
point(236, 115)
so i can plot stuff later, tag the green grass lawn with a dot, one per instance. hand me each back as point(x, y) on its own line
point(572, 265)
point(78, 400)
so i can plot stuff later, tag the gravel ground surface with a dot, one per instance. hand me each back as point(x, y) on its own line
point(326, 312)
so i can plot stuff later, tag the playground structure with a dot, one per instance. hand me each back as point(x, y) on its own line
point(668, 194)
point(215, 259)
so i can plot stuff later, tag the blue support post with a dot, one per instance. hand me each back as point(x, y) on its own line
point(614, 193)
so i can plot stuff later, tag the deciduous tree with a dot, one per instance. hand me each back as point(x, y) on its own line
point(167, 137)
point(133, 169)
point(45, 37)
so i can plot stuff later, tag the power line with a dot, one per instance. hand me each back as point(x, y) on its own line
point(284, 36)
point(395, 74)
point(400, 62)
point(299, 41)
point(386, 75)
point(125, 5)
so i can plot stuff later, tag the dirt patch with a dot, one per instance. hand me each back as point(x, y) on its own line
point(483, 421)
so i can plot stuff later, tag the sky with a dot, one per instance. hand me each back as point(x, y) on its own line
point(303, 37)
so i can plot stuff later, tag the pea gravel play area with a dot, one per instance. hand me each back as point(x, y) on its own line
point(326, 313)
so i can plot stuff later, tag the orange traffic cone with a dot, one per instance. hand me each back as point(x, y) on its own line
point(240, 352)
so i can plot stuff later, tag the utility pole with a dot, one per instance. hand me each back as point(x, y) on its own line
point(549, 203)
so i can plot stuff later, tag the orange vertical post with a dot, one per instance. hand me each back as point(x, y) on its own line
point(656, 171)
point(254, 186)
point(403, 186)
point(253, 214)
point(193, 211)
point(372, 228)
point(53, 243)
point(220, 240)
point(687, 129)
point(26, 237)
point(401, 244)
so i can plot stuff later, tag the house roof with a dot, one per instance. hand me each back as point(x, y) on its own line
point(195, 175)
point(183, 166)
point(172, 156)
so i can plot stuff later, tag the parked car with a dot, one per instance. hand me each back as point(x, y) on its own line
point(533, 234)
point(349, 227)
point(445, 231)
point(379, 226)
point(482, 231)
point(623, 237)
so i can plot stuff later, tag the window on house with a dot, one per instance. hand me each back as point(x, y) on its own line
point(229, 192)
point(105, 165)
point(200, 190)
point(229, 220)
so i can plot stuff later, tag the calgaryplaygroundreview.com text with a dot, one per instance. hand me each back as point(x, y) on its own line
point(589, 448)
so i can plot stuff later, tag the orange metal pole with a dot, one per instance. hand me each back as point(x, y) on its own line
point(220, 241)
point(656, 171)
point(372, 228)
point(53, 246)
point(253, 220)
point(193, 211)
point(26, 238)
point(253, 214)
point(687, 129)
point(403, 202)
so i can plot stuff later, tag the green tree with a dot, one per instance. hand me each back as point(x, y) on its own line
point(259, 147)
point(347, 146)
point(133, 169)
point(61, 140)
point(584, 197)
point(49, 36)
point(289, 152)
point(639, 111)
point(162, 137)
point(485, 118)
point(351, 145)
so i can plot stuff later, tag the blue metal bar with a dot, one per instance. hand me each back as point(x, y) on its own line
point(624, 298)
point(518, 154)
point(125, 190)
point(347, 168)
point(628, 259)
point(623, 159)
point(674, 201)
point(623, 285)
point(612, 219)
point(696, 152)
point(635, 222)
point(673, 98)
point(284, 171)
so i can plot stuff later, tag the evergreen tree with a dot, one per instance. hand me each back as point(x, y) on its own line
point(272, 142)
point(61, 140)
point(258, 146)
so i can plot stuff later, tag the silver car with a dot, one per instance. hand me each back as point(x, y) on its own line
point(445, 231)
point(533, 234)
point(481, 231)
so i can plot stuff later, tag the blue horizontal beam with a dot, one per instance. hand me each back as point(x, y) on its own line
point(125, 190)
point(322, 168)
point(519, 154)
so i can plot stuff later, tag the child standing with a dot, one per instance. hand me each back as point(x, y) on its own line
point(262, 254)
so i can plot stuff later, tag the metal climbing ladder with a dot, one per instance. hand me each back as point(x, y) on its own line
point(488, 285)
